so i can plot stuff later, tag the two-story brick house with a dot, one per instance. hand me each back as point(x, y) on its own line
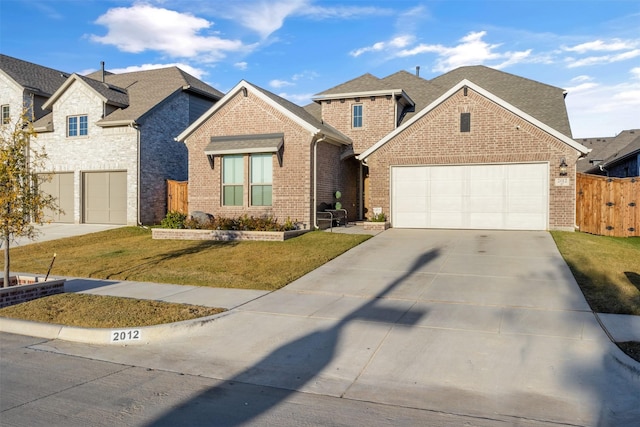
point(473, 148)
point(109, 141)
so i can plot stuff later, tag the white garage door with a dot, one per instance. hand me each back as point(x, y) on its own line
point(105, 197)
point(499, 197)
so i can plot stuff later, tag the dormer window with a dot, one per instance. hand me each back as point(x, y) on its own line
point(77, 126)
point(357, 116)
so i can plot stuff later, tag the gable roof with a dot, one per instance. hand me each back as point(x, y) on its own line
point(365, 85)
point(609, 150)
point(32, 77)
point(539, 100)
point(296, 113)
point(515, 110)
point(137, 93)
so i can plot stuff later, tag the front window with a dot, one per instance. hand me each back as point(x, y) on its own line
point(232, 180)
point(261, 179)
point(77, 126)
point(357, 116)
point(6, 118)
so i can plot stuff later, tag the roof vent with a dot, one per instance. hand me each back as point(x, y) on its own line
point(417, 71)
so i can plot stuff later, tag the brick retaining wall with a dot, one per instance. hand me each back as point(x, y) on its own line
point(16, 294)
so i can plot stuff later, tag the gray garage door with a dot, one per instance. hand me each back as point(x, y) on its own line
point(504, 196)
point(105, 197)
point(60, 186)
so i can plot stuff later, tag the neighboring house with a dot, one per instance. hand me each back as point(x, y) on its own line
point(109, 141)
point(26, 87)
point(474, 148)
point(617, 156)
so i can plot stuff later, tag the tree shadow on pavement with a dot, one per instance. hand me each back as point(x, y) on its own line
point(294, 365)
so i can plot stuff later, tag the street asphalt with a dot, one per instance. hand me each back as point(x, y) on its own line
point(468, 322)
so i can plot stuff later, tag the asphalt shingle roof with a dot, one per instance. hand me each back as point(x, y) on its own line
point(146, 89)
point(542, 101)
point(608, 149)
point(36, 78)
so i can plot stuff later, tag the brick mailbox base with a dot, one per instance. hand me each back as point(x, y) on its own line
point(26, 288)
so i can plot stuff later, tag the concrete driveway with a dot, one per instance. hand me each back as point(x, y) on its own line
point(484, 323)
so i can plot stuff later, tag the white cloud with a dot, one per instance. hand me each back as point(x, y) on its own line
point(343, 12)
point(635, 72)
point(398, 42)
point(297, 98)
point(604, 59)
point(602, 110)
point(280, 83)
point(143, 27)
point(265, 17)
point(241, 65)
point(581, 78)
point(599, 45)
point(471, 50)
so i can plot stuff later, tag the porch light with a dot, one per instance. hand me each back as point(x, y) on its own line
point(563, 168)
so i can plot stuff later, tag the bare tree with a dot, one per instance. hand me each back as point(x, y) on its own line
point(22, 203)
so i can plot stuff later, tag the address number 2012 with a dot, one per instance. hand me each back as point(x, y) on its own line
point(128, 335)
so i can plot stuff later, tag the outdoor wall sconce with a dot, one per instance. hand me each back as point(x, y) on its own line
point(563, 168)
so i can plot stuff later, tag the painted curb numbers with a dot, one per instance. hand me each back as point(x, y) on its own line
point(126, 335)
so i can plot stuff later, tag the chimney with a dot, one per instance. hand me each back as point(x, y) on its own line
point(102, 67)
point(417, 71)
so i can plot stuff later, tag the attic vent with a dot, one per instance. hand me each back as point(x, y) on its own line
point(465, 122)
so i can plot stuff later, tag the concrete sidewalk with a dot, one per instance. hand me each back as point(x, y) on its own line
point(482, 323)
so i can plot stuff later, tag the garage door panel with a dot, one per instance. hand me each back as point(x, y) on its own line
point(105, 197)
point(60, 187)
point(505, 196)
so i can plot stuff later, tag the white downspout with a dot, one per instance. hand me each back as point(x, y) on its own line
point(137, 128)
point(315, 180)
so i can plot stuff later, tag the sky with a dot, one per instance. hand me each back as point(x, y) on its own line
point(298, 48)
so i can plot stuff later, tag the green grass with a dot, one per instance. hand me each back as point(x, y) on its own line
point(99, 311)
point(606, 268)
point(130, 253)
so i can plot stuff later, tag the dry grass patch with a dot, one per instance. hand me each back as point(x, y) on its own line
point(129, 253)
point(98, 311)
point(606, 268)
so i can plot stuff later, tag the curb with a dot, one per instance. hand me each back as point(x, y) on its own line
point(107, 336)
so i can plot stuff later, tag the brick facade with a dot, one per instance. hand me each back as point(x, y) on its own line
point(497, 136)
point(292, 181)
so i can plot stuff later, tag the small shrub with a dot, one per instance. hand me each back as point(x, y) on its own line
point(381, 217)
point(174, 219)
point(241, 223)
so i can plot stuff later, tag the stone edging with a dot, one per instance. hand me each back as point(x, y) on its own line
point(224, 235)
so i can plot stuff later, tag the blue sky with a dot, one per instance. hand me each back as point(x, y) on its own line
point(297, 48)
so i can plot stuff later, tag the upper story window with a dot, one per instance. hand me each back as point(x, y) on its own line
point(77, 126)
point(6, 117)
point(357, 116)
point(232, 180)
point(261, 179)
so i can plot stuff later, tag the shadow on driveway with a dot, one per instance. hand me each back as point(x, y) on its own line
point(301, 360)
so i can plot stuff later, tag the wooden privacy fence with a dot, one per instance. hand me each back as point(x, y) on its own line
point(178, 196)
point(608, 206)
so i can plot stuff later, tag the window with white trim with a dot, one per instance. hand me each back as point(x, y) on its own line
point(77, 126)
point(357, 116)
point(6, 116)
point(261, 179)
point(232, 180)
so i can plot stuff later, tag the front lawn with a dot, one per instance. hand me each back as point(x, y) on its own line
point(606, 268)
point(129, 253)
